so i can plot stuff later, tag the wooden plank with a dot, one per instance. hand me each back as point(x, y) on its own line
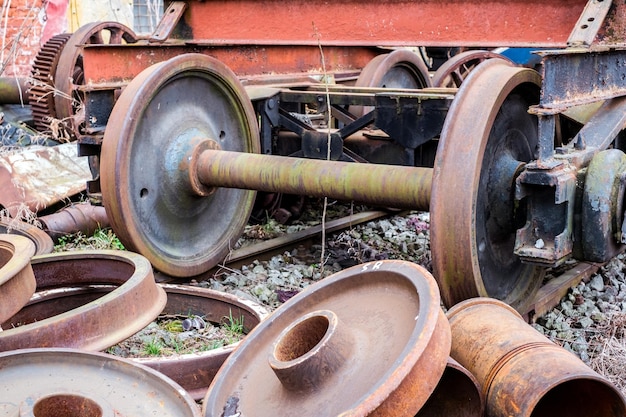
point(550, 295)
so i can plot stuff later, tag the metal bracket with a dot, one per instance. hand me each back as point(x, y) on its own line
point(546, 239)
point(589, 23)
point(168, 22)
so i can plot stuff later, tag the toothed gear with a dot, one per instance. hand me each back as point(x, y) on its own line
point(41, 94)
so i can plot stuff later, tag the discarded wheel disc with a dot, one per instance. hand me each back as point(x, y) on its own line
point(99, 324)
point(194, 371)
point(67, 382)
point(370, 340)
point(17, 281)
point(43, 242)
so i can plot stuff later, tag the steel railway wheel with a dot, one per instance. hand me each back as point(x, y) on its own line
point(69, 73)
point(152, 204)
point(398, 69)
point(456, 69)
point(487, 138)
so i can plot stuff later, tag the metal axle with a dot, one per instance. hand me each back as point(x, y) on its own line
point(375, 184)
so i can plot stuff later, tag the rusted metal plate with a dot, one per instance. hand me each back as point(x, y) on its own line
point(99, 324)
point(523, 373)
point(386, 22)
point(69, 382)
point(17, 280)
point(116, 63)
point(37, 177)
point(376, 330)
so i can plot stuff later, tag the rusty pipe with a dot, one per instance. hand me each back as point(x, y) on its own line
point(457, 394)
point(522, 373)
point(374, 184)
point(13, 90)
point(84, 218)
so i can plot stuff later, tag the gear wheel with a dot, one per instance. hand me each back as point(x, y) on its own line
point(42, 92)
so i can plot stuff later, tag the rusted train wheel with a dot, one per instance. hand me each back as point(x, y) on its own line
point(398, 69)
point(69, 73)
point(456, 69)
point(69, 382)
point(151, 198)
point(486, 140)
point(367, 341)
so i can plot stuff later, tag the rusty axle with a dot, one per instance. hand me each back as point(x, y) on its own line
point(375, 184)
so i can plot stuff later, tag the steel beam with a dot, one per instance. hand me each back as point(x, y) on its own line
point(385, 22)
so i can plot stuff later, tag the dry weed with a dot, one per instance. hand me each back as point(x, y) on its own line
point(609, 353)
point(24, 215)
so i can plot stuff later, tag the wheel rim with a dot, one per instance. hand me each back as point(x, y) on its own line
point(398, 69)
point(456, 69)
point(474, 216)
point(70, 73)
point(176, 104)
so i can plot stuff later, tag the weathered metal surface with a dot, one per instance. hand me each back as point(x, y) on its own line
point(458, 394)
point(69, 73)
point(521, 372)
point(168, 22)
point(43, 243)
point(376, 330)
point(68, 382)
point(120, 64)
point(17, 280)
point(36, 177)
point(13, 90)
point(550, 184)
point(452, 72)
point(99, 324)
point(474, 215)
point(195, 371)
point(388, 22)
point(589, 23)
point(602, 210)
point(84, 217)
point(146, 153)
point(581, 75)
point(376, 184)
